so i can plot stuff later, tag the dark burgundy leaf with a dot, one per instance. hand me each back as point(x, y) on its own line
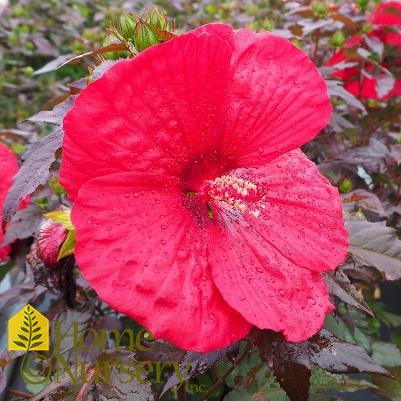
point(375, 44)
point(22, 293)
point(374, 244)
point(102, 68)
point(365, 200)
point(160, 351)
point(195, 364)
point(24, 224)
point(336, 89)
point(338, 122)
point(44, 46)
point(54, 64)
point(34, 172)
point(340, 286)
point(384, 85)
point(15, 133)
point(338, 356)
point(290, 362)
point(372, 157)
point(113, 47)
point(54, 116)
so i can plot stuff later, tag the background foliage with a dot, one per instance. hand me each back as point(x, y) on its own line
point(357, 356)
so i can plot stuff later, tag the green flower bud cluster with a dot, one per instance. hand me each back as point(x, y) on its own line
point(143, 31)
point(319, 9)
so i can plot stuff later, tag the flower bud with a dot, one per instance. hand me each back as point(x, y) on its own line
point(157, 19)
point(362, 4)
point(144, 36)
point(319, 9)
point(338, 39)
point(49, 241)
point(128, 23)
point(346, 186)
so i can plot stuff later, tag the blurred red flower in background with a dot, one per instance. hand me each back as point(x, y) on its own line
point(375, 81)
point(195, 212)
point(8, 168)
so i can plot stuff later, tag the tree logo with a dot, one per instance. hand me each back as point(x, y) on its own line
point(28, 330)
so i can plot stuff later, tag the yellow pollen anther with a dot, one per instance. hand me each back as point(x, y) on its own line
point(239, 194)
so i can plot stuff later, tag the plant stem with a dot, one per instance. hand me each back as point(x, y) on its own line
point(18, 393)
point(221, 379)
point(181, 394)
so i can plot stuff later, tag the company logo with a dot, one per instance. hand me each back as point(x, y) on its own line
point(28, 330)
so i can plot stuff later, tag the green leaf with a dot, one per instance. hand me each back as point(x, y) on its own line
point(20, 344)
point(386, 354)
point(36, 344)
point(22, 337)
point(68, 245)
point(24, 329)
point(61, 216)
point(35, 330)
point(34, 324)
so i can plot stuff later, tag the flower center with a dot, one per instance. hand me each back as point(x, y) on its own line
point(237, 193)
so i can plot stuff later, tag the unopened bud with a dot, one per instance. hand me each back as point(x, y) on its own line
point(128, 23)
point(362, 4)
point(145, 36)
point(157, 19)
point(338, 39)
point(319, 9)
point(346, 186)
point(50, 239)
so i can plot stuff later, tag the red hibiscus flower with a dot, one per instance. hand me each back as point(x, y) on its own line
point(8, 168)
point(195, 212)
point(365, 85)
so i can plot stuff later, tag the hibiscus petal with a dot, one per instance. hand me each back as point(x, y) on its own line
point(301, 214)
point(388, 14)
point(278, 99)
point(8, 168)
point(144, 253)
point(156, 111)
point(264, 286)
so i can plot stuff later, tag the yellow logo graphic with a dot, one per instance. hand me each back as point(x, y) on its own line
point(28, 330)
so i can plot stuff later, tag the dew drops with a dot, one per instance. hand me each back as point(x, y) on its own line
point(281, 292)
point(126, 195)
point(163, 242)
point(119, 284)
point(311, 301)
point(163, 226)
